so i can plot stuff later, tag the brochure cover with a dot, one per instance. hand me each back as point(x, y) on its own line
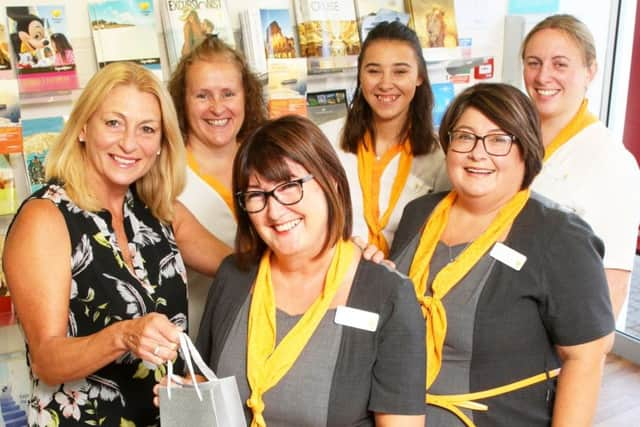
point(372, 12)
point(253, 41)
point(287, 87)
point(277, 30)
point(186, 23)
point(5, 52)
point(8, 193)
point(443, 94)
point(44, 57)
point(327, 28)
point(326, 106)
point(10, 130)
point(125, 30)
point(434, 21)
point(37, 137)
point(9, 103)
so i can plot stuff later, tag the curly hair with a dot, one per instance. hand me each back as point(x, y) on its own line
point(419, 125)
point(212, 47)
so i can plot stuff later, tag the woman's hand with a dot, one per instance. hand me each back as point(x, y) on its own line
point(163, 382)
point(152, 338)
point(371, 252)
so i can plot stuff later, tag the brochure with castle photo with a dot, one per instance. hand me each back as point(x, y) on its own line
point(43, 54)
point(434, 21)
point(38, 135)
point(125, 30)
point(187, 23)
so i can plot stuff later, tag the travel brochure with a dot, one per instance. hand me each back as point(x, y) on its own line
point(125, 31)
point(43, 55)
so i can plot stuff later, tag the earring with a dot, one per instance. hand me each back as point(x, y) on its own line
point(158, 152)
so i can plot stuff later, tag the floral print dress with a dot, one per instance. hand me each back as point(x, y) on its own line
point(104, 291)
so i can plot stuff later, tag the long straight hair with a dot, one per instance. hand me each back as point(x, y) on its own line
point(419, 124)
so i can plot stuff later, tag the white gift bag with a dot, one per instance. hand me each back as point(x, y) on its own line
point(214, 403)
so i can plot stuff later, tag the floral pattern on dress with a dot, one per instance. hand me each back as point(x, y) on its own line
point(105, 290)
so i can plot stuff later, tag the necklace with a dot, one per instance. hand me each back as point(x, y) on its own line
point(453, 256)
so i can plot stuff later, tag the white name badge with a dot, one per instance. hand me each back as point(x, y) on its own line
point(356, 318)
point(508, 256)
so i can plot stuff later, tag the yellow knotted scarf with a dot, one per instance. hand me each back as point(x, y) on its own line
point(217, 186)
point(432, 308)
point(266, 363)
point(581, 120)
point(370, 172)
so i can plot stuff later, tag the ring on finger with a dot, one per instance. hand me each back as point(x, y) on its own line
point(156, 350)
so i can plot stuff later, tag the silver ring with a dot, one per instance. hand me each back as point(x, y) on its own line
point(156, 350)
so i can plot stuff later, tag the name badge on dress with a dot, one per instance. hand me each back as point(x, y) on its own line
point(508, 256)
point(356, 318)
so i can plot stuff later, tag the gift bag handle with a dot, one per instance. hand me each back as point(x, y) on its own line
point(189, 352)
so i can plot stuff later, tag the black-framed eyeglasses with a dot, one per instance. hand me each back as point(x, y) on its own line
point(495, 144)
point(288, 193)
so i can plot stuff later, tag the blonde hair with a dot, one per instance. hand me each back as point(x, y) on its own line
point(572, 27)
point(66, 161)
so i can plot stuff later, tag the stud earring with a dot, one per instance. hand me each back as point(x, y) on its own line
point(158, 152)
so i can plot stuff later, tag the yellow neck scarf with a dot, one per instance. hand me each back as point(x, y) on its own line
point(581, 120)
point(432, 308)
point(370, 171)
point(266, 363)
point(217, 186)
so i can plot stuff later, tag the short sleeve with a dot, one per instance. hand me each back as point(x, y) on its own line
point(578, 307)
point(615, 215)
point(398, 377)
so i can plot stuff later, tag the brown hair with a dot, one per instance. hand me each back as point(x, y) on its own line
point(297, 139)
point(210, 49)
point(66, 161)
point(511, 110)
point(419, 125)
point(572, 27)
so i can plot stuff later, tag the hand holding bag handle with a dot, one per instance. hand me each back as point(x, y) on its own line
point(219, 401)
point(189, 351)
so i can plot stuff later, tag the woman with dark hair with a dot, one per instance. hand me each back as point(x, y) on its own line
point(314, 334)
point(64, 51)
point(498, 272)
point(387, 144)
point(219, 102)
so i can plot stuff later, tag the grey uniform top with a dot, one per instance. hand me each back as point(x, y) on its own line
point(301, 398)
point(381, 371)
point(558, 297)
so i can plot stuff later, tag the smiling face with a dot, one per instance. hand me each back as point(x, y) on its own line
point(477, 176)
point(388, 79)
point(297, 230)
point(122, 139)
point(36, 30)
point(555, 74)
point(214, 102)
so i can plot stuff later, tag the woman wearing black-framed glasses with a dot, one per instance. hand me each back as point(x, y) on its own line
point(314, 334)
point(498, 272)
